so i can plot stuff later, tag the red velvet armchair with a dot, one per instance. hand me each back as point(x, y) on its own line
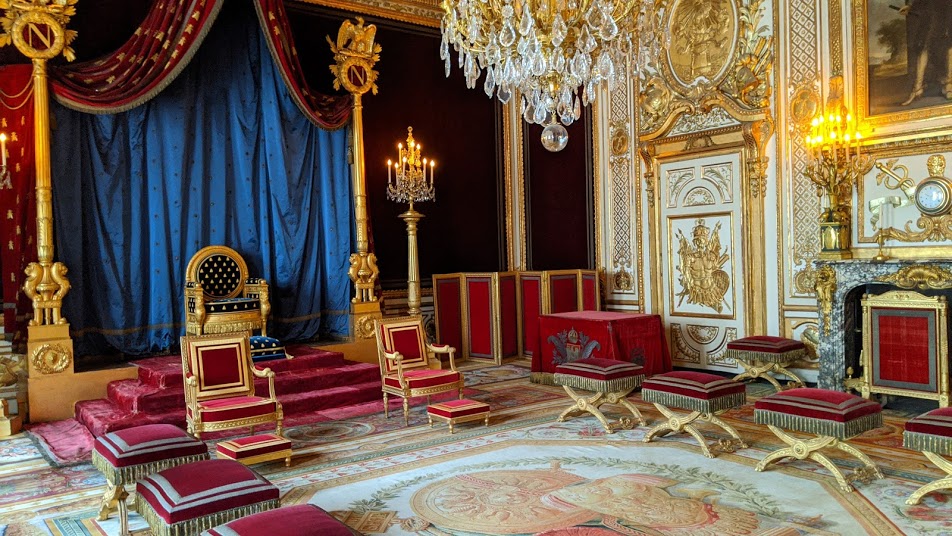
point(220, 387)
point(408, 363)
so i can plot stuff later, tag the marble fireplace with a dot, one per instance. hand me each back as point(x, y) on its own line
point(840, 285)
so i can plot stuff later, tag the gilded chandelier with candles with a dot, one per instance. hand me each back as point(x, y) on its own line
point(551, 54)
point(837, 160)
point(414, 183)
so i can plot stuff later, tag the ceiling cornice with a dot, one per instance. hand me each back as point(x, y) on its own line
point(420, 12)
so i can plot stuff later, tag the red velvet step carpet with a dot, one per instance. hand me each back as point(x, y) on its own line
point(310, 387)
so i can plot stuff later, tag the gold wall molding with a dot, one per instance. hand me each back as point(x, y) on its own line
point(51, 358)
point(919, 277)
point(421, 12)
point(724, 59)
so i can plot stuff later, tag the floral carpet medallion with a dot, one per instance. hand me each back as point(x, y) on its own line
point(543, 488)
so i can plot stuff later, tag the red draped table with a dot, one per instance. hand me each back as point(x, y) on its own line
point(567, 337)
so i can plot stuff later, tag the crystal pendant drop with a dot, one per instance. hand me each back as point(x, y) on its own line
point(559, 30)
point(554, 137)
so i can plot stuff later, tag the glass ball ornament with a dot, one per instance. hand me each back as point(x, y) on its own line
point(554, 137)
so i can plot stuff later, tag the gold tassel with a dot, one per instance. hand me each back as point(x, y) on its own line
point(937, 444)
point(767, 357)
point(821, 427)
point(714, 405)
point(599, 386)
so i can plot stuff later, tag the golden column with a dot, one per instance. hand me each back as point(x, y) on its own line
point(408, 184)
point(38, 29)
point(355, 54)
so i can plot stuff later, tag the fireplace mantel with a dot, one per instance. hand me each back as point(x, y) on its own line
point(836, 279)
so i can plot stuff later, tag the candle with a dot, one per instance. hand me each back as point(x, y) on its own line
point(389, 180)
point(3, 150)
point(432, 163)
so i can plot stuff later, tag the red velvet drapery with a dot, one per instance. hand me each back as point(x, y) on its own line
point(17, 204)
point(164, 43)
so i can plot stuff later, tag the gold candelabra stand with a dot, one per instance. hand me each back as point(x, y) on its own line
point(837, 160)
point(409, 181)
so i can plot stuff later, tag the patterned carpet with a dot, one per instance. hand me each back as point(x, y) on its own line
point(528, 474)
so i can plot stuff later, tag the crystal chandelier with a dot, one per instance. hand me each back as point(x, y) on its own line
point(549, 51)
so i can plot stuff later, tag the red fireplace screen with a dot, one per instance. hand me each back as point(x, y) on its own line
point(905, 345)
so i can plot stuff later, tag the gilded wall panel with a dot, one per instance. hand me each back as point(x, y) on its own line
point(797, 199)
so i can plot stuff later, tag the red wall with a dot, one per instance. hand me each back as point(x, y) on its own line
point(560, 207)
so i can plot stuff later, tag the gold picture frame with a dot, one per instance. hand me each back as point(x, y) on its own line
point(886, 78)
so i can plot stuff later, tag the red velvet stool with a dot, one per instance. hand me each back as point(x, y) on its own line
point(127, 455)
point(931, 433)
point(300, 520)
point(190, 498)
point(255, 449)
point(762, 354)
point(705, 395)
point(833, 416)
point(610, 380)
point(462, 410)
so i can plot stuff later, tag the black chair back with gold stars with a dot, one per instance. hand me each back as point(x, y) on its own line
point(219, 295)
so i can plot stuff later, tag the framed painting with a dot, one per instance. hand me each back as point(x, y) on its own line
point(903, 73)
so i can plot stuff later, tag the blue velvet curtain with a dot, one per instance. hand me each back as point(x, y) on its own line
point(222, 156)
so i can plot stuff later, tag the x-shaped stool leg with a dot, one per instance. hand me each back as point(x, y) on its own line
point(942, 483)
point(591, 404)
point(809, 449)
point(759, 370)
point(682, 423)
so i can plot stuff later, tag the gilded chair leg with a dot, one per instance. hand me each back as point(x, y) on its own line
point(406, 411)
point(940, 484)
point(110, 500)
point(386, 407)
point(278, 427)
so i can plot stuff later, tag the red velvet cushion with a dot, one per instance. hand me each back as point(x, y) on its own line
point(256, 445)
point(936, 422)
point(147, 443)
point(419, 379)
point(458, 408)
point(818, 404)
point(300, 520)
point(203, 488)
point(700, 385)
point(766, 344)
point(239, 407)
point(598, 368)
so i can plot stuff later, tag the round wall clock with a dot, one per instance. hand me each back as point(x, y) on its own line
point(934, 196)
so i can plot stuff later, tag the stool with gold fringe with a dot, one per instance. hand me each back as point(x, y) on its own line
point(299, 520)
point(188, 499)
point(255, 449)
point(762, 354)
point(127, 455)
point(931, 433)
point(706, 395)
point(833, 416)
point(456, 411)
point(609, 379)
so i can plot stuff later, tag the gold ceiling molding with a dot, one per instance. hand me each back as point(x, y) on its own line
point(720, 54)
point(421, 12)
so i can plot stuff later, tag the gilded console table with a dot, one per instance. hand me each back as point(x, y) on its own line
point(840, 285)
